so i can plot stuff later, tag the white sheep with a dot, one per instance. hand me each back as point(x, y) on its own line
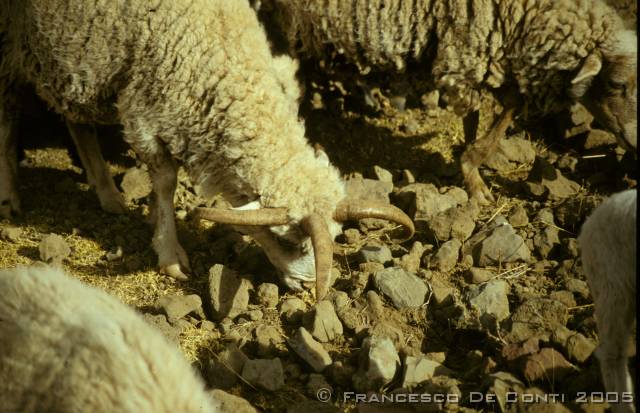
point(535, 56)
point(69, 347)
point(192, 83)
point(608, 251)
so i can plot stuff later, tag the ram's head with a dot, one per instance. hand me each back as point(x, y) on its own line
point(302, 251)
point(606, 84)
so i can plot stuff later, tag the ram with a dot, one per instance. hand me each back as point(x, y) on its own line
point(608, 250)
point(70, 347)
point(193, 83)
point(535, 56)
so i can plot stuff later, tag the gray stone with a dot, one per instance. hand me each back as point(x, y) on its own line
point(136, 183)
point(565, 297)
point(310, 350)
point(419, 369)
point(224, 371)
point(447, 256)
point(178, 306)
point(351, 235)
point(375, 304)
point(509, 153)
point(316, 383)
point(292, 309)
point(476, 275)
point(536, 317)
point(502, 246)
point(545, 364)
point(546, 181)
point(375, 253)
point(265, 373)
point(378, 362)
point(411, 261)
point(455, 223)
point(11, 234)
point(323, 323)
point(369, 189)
point(490, 301)
point(424, 200)
point(576, 346)
point(442, 295)
point(403, 288)
point(228, 292)
point(577, 286)
point(53, 249)
point(571, 246)
point(504, 385)
point(160, 322)
point(269, 339)
point(518, 217)
point(267, 295)
point(382, 174)
point(597, 138)
point(226, 402)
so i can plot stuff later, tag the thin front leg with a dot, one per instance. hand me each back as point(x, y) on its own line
point(476, 153)
point(172, 259)
point(470, 126)
point(98, 175)
point(9, 200)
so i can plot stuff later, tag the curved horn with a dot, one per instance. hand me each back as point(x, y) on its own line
point(350, 209)
point(316, 227)
point(264, 216)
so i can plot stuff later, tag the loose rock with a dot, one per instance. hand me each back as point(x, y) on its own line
point(226, 402)
point(502, 246)
point(546, 365)
point(136, 184)
point(310, 350)
point(268, 338)
point(518, 217)
point(375, 253)
point(419, 369)
point(267, 295)
point(161, 323)
point(292, 309)
point(225, 370)
point(11, 234)
point(323, 322)
point(476, 275)
point(178, 306)
point(545, 180)
point(509, 153)
point(369, 189)
point(576, 346)
point(490, 301)
point(536, 317)
point(403, 288)
point(228, 292)
point(378, 362)
point(53, 249)
point(265, 373)
point(447, 256)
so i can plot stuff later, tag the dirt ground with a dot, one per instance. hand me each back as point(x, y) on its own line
point(418, 141)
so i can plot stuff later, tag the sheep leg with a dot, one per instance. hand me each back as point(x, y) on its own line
point(9, 200)
point(470, 126)
point(96, 168)
point(614, 314)
point(164, 178)
point(476, 153)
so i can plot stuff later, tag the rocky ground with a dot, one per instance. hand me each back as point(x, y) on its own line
point(483, 304)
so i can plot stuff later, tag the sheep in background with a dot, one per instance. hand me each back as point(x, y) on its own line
point(69, 347)
point(608, 250)
point(192, 83)
point(536, 56)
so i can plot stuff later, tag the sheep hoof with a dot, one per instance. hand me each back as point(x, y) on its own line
point(113, 204)
point(9, 208)
point(174, 271)
point(483, 196)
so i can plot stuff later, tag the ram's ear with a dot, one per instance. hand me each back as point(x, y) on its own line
point(589, 70)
